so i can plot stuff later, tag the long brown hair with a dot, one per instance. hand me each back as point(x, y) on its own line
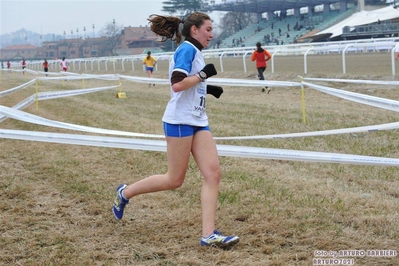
point(259, 47)
point(168, 27)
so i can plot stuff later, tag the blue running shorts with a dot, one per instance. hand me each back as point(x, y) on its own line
point(180, 131)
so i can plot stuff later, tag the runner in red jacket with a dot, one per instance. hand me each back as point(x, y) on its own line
point(261, 56)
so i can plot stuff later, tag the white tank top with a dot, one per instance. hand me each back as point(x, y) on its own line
point(187, 107)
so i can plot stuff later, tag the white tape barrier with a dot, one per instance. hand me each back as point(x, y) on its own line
point(56, 94)
point(27, 70)
point(62, 75)
point(12, 90)
point(58, 78)
point(212, 81)
point(145, 80)
point(71, 75)
point(39, 120)
point(29, 118)
point(81, 77)
point(372, 82)
point(78, 77)
point(52, 95)
point(17, 70)
point(32, 71)
point(369, 129)
point(223, 150)
point(9, 91)
point(103, 77)
point(49, 73)
point(66, 73)
point(60, 94)
point(357, 97)
point(221, 81)
point(251, 83)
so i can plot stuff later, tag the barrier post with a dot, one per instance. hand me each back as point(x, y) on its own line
point(37, 96)
point(303, 106)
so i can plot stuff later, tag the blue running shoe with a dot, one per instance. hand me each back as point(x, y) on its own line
point(119, 202)
point(219, 240)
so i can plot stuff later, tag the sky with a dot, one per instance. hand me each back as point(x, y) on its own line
point(57, 16)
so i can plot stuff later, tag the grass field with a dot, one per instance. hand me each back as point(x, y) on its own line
point(55, 199)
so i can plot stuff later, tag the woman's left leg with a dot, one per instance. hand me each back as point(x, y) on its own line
point(205, 154)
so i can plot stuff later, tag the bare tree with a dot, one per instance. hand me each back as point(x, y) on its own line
point(232, 22)
point(113, 33)
point(183, 7)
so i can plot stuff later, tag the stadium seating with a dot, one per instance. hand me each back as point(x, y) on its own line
point(256, 32)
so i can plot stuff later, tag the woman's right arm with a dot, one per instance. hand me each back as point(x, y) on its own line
point(182, 82)
point(253, 56)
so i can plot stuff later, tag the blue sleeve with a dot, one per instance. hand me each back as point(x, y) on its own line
point(184, 57)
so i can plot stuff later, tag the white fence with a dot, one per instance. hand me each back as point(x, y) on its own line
point(344, 47)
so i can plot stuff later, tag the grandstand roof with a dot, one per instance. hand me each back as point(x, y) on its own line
point(360, 18)
point(262, 6)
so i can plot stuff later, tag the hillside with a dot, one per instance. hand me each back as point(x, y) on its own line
point(24, 36)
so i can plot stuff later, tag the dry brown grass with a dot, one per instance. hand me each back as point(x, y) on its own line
point(55, 200)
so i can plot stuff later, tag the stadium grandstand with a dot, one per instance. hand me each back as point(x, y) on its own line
point(278, 22)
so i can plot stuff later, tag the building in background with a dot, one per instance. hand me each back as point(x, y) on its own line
point(18, 52)
point(138, 37)
point(132, 40)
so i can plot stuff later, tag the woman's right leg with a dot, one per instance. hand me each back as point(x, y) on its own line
point(178, 155)
point(149, 72)
point(260, 73)
point(261, 77)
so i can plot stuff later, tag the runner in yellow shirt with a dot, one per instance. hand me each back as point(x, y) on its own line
point(149, 63)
